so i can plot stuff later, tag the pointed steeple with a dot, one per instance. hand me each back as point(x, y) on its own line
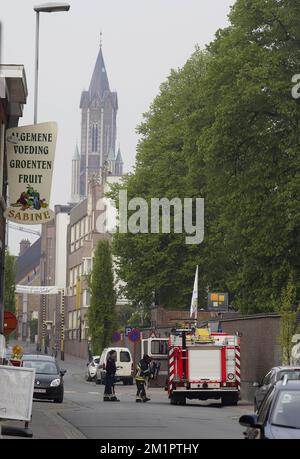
point(99, 82)
point(119, 163)
point(76, 153)
point(111, 155)
point(119, 158)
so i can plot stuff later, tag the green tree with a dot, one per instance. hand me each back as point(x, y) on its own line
point(224, 127)
point(251, 150)
point(33, 327)
point(288, 325)
point(163, 262)
point(9, 282)
point(102, 314)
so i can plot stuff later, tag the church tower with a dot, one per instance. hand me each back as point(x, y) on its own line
point(99, 106)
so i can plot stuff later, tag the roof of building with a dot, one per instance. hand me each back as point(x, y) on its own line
point(99, 82)
point(29, 260)
point(114, 99)
point(119, 157)
point(111, 154)
point(76, 153)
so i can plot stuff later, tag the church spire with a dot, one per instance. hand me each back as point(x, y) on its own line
point(119, 158)
point(119, 163)
point(99, 82)
point(76, 155)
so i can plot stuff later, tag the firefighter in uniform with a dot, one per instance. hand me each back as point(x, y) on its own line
point(109, 391)
point(143, 373)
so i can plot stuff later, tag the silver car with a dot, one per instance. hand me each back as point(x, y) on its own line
point(276, 374)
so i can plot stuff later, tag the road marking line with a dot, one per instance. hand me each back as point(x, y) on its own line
point(94, 393)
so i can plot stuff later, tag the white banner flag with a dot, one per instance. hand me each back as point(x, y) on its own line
point(40, 290)
point(194, 302)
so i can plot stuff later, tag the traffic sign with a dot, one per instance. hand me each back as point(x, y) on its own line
point(128, 329)
point(134, 335)
point(218, 302)
point(10, 323)
point(116, 337)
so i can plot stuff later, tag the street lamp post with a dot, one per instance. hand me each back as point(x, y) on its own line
point(45, 8)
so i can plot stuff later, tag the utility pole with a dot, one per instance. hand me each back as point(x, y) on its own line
point(62, 324)
point(2, 259)
point(43, 323)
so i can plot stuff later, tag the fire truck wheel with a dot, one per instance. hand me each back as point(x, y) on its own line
point(177, 400)
point(173, 400)
point(229, 401)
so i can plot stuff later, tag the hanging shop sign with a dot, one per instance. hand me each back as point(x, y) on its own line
point(30, 162)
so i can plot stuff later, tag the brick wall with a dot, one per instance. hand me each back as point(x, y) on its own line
point(77, 348)
point(259, 349)
point(161, 317)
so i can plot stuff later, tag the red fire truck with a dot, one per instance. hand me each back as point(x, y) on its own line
point(203, 365)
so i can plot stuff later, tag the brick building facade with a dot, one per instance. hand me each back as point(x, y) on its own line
point(13, 95)
point(28, 273)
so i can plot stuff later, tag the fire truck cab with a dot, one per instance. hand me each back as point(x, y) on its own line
point(203, 365)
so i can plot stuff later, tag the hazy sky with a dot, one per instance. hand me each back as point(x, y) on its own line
point(142, 41)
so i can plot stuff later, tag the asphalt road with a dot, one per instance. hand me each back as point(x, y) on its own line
point(85, 410)
point(83, 414)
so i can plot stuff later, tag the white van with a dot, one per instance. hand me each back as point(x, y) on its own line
point(124, 365)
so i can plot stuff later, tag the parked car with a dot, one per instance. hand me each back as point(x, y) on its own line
point(278, 415)
point(276, 374)
point(49, 384)
point(91, 368)
point(124, 365)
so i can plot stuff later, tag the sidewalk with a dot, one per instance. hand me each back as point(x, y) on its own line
point(74, 365)
point(47, 424)
point(46, 421)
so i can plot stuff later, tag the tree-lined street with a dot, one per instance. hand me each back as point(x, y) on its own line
point(161, 176)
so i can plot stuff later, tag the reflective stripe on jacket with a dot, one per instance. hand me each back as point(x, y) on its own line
point(142, 371)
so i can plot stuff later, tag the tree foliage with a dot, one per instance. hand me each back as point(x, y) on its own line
point(9, 282)
point(101, 313)
point(224, 127)
point(288, 322)
point(33, 329)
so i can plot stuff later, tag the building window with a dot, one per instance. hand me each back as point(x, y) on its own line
point(86, 298)
point(87, 266)
point(79, 233)
point(94, 138)
point(72, 234)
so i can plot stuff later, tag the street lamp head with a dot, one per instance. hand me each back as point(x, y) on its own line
point(51, 7)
